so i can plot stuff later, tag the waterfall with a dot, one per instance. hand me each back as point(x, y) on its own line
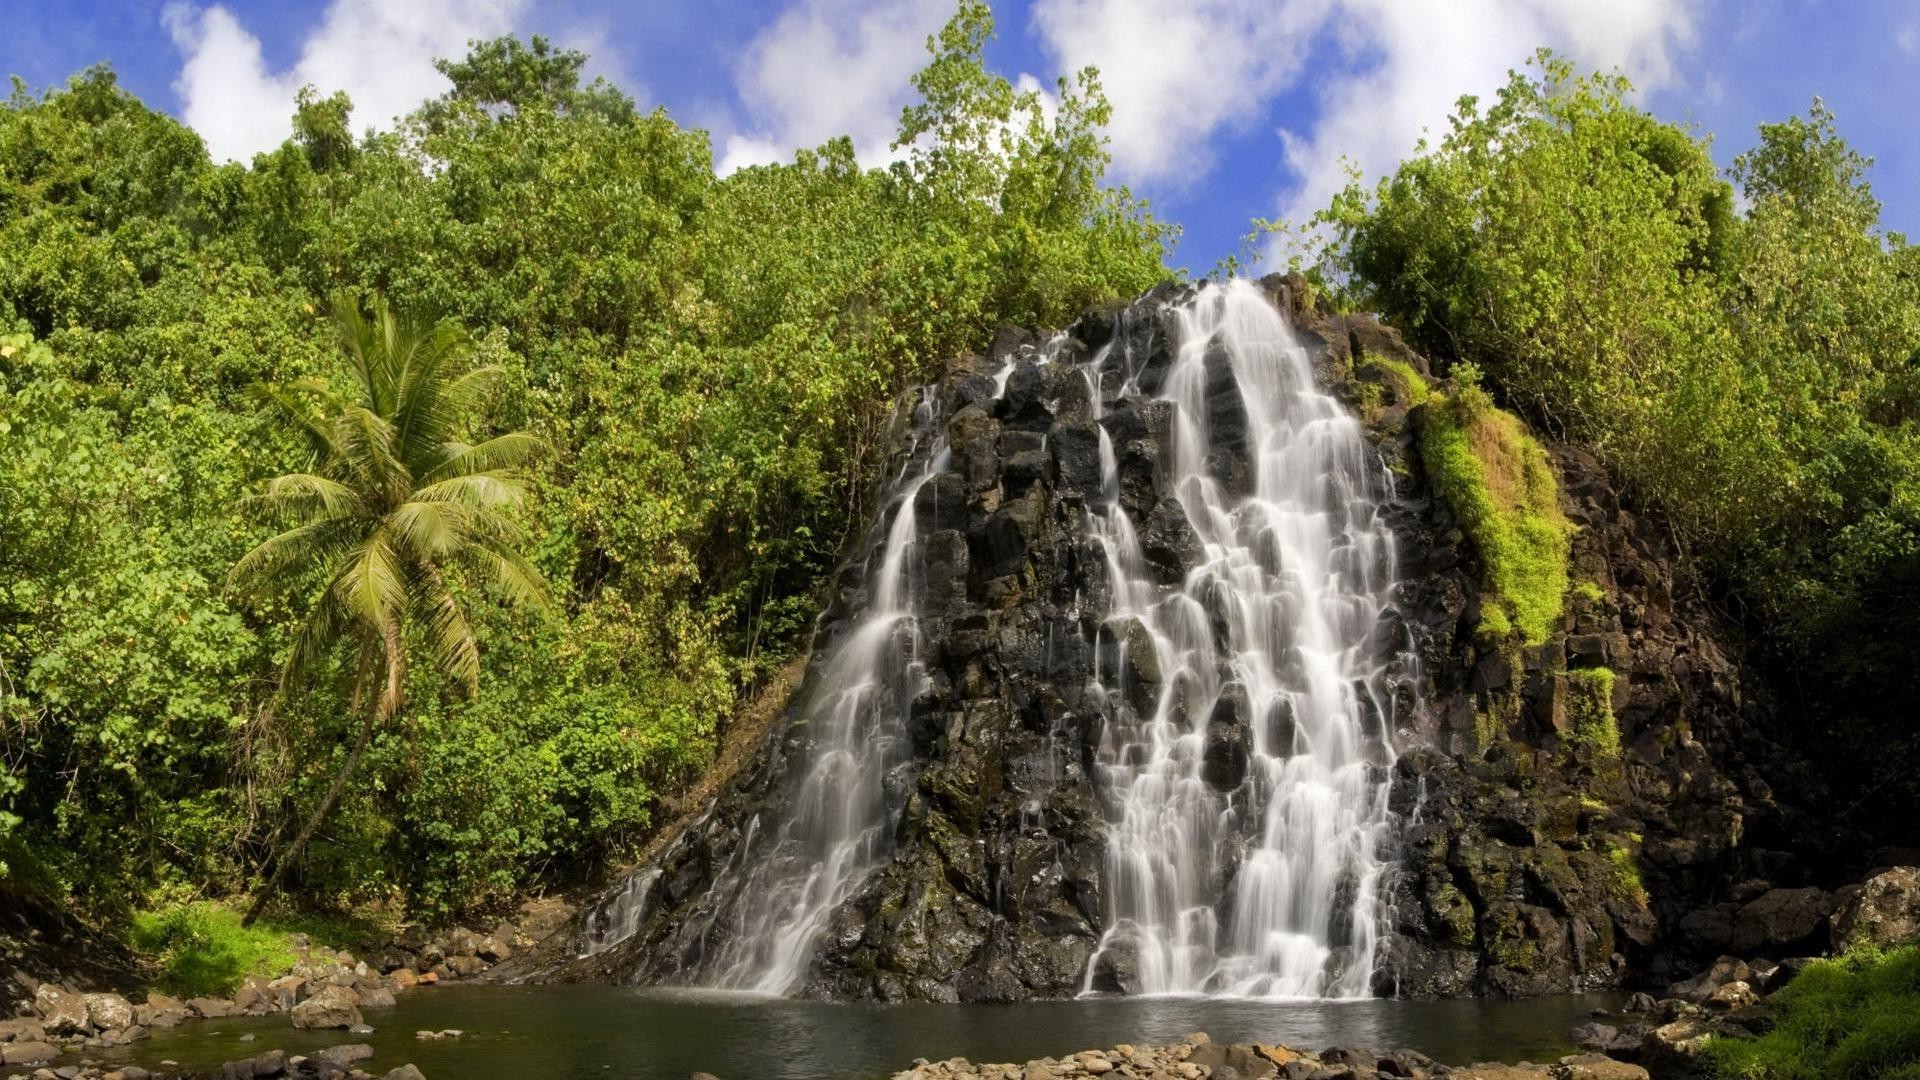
point(838, 826)
point(1245, 758)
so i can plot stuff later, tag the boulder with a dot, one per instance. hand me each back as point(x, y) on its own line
point(271, 1063)
point(1882, 910)
point(406, 1072)
point(332, 1007)
point(1782, 920)
point(25, 1029)
point(1725, 970)
point(1734, 995)
point(108, 1012)
point(286, 991)
point(208, 1008)
point(61, 1012)
point(377, 998)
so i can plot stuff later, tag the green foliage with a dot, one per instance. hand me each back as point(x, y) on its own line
point(710, 362)
point(1852, 1017)
point(1500, 485)
point(203, 951)
point(1754, 376)
point(1590, 710)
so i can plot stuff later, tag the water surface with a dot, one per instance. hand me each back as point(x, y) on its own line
point(549, 1032)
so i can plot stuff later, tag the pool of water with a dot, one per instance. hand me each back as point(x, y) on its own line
point(538, 1033)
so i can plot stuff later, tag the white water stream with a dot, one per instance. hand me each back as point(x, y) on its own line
point(1270, 888)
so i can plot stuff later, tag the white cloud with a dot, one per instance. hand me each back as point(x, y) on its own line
point(1176, 73)
point(1422, 55)
point(1908, 38)
point(827, 68)
point(380, 53)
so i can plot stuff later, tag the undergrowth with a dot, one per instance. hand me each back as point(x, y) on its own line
point(1852, 1017)
point(202, 950)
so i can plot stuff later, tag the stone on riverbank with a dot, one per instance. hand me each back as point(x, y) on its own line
point(332, 1007)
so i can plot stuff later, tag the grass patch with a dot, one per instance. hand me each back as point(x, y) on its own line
point(1853, 1017)
point(1501, 486)
point(203, 951)
point(1590, 710)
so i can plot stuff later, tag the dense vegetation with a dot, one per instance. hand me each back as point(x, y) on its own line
point(1749, 368)
point(708, 365)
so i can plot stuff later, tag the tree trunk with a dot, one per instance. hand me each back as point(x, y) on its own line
point(384, 707)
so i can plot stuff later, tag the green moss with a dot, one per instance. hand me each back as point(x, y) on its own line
point(1501, 486)
point(1626, 875)
point(1487, 729)
point(1589, 591)
point(1408, 385)
point(1590, 710)
point(1848, 1018)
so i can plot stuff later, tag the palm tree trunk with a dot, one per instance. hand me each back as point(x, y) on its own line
point(384, 707)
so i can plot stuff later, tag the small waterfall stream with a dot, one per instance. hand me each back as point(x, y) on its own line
point(1248, 797)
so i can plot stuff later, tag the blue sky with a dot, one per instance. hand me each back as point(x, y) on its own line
point(1224, 109)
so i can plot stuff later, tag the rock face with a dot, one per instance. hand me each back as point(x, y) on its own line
point(1531, 861)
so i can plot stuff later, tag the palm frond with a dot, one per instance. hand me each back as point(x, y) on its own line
point(306, 496)
point(455, 650)
point(519, 583)
point(372, 586)
point(499, 453)
point(482, 490)
point(273, 560)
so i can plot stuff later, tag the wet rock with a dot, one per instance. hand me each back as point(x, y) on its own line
point(409, 1072)
point(1168, 542)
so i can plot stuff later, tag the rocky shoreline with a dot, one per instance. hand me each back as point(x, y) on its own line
point(324, 989)
point(1200, 1058)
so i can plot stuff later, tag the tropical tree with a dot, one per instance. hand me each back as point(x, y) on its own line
point(397, 514)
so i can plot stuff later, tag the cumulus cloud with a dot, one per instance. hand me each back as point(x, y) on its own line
point(826, 68)
point(1176, 73)
point(380, 53)
point(1408, 61)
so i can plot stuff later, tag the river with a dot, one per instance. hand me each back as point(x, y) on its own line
point(549, 1032)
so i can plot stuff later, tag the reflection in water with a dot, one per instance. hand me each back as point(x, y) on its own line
point(544, 1033)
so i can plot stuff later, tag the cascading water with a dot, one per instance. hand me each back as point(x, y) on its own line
point(1247, 796)
point(836, 831)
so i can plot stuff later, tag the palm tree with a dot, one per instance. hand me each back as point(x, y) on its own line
point(397, 510)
